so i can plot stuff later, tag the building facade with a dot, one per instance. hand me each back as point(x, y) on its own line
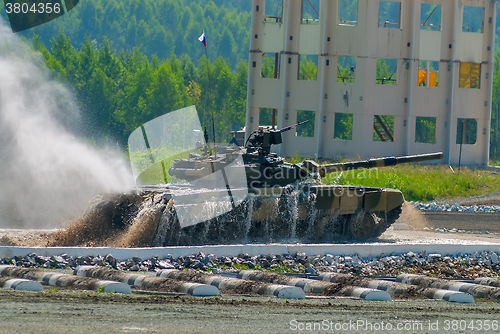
point(375, 78)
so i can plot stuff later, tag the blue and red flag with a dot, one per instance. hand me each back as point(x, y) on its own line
point(202, 38)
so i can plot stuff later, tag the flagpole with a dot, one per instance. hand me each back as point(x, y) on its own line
point(203, 40)
point(210, 96)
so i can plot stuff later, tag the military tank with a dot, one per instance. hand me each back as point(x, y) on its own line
point(249, 194)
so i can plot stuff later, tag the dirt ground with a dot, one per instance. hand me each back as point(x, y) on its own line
point(91, 312)
point(64, 311)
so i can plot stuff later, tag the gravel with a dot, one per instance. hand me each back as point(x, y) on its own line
point(463, 266)
point(455, 207)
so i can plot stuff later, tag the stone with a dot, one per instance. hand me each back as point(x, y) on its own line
point(301, 256)
point(109, 258)
point(310, 270)
point(494, 258)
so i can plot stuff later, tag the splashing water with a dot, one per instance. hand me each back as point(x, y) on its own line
point(47, 174)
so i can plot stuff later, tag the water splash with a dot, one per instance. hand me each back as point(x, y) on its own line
point(47, 174)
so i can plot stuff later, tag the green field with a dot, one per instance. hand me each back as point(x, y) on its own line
point(422, 183)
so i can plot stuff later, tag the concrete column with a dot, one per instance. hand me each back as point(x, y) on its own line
point(492, 31)
point(254, 57)
point(292, 27)
point(327, 7)
point(413, 60)
point(454, 67)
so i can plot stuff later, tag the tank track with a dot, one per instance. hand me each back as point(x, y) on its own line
point(293, 218)
point(386, 219)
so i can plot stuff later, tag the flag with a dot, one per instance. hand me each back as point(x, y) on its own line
point(202, 38)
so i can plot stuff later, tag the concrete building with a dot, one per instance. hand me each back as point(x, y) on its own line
point(406, 84)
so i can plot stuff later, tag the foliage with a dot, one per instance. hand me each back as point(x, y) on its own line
point(119, 91)
point(343, 126)
point(386, 71)
point(425, 130)
point(157, 27)
point(422, 183)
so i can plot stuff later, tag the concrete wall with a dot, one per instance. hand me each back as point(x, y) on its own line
point(329, 39)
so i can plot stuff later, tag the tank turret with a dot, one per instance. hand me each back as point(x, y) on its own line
point(265, 169)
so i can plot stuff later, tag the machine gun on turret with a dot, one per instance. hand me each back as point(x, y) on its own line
point(261, 140)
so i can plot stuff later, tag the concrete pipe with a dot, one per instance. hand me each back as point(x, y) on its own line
point(20, 284)
point(476, 290)
point(399, 289)
point(315, 286)
point(235, 285)
point(57, 279)
point(148, 282)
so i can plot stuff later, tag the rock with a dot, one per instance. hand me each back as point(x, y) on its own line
point(301, 256)
point(310, 270)
point(110, 258)
point(494, 258)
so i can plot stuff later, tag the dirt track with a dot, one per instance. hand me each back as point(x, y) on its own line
point(84, 312)
point(468, 221)
point(90, 312)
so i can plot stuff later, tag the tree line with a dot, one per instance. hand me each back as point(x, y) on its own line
point(119, 91)
point(156, 27)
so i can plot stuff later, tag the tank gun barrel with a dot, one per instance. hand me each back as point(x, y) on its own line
point(314, 167)
point(291, 126)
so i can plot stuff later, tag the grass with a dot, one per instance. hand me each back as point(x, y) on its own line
point(422, 183)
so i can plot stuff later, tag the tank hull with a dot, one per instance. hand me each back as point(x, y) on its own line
point(307, 213)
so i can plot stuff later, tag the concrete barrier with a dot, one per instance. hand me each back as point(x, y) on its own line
point(400, 289)
point(20, 284)
point(235, 285)
point(475, 290)
point(315, 286)
point(362, 250)
point(58, 279)
point(149, 282)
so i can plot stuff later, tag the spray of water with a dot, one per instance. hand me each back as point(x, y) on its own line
point(47, 174)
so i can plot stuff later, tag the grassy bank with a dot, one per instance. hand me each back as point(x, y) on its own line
point(422, 182)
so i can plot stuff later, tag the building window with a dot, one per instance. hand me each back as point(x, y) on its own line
point(307, 129)
point(270, 66)
point(425, 130)
point(389, 14)
point(387, 71)
point(430, 17)
point(274, 14)
point(342, 128)
point(266, 117)
point(470, 75)
point(308, 67)
point(473, 19)
point(469, 127)
point(348, 12)
point(428, 73)
point(346, 69)
point(310, 12)
point(383, 128)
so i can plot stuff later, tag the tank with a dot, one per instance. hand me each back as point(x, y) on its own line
point(268, 199)
point(193, 192)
